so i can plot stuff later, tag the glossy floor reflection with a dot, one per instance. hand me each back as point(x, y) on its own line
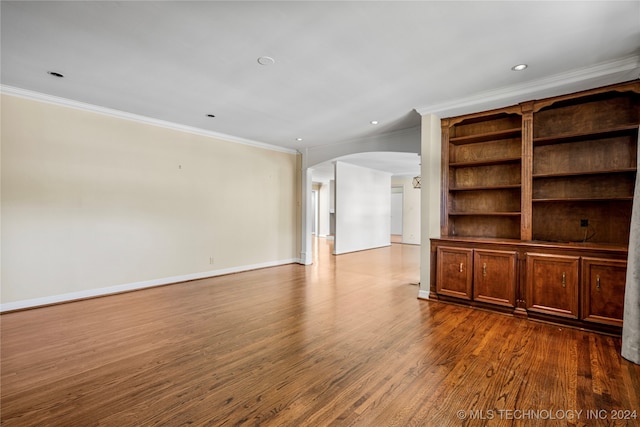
point(344, 341)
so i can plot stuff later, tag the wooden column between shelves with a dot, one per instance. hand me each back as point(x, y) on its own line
point(527, 171)
point(444, 172)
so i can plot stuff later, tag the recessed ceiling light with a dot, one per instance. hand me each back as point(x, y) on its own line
point(55, 74)
point(299, 139)
point(266, 60)
point(210, 115)
point(519, 67)
point(374, 122)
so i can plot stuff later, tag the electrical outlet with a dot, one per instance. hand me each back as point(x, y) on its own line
point(584, 223)
point(210, 260)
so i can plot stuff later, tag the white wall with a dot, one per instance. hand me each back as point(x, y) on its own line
point(410, 210)
point(363, 208)
point(396, 210)
point(93, 204)
point(323, 210)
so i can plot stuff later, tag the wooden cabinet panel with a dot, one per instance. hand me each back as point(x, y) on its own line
point(561, 222)
point(552, 284)
point(603, 283)
point(495, 277)
point(584, 164)
point(499, 200)
point(589, 112)
point(482, 174)
point(454, 272)
point(486, 152)
point(500, 226)
point(485, 176)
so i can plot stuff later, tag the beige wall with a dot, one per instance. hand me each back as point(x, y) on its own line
point(91, 202)
point(430, 196)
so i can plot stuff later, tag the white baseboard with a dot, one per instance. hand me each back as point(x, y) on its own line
point(422, 294)
point(349, 251)
point(92, 293)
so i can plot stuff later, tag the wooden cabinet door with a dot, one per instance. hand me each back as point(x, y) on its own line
point(494, 277)
point(603, 283)
point(552, 284)
point(454, 273)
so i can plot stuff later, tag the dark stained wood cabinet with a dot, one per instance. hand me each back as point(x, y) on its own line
point(552, 284)
point(551, 182)
point(485, 276)
point(579, 285)
point(494, 277)
point(455, 270)
point(603, 284)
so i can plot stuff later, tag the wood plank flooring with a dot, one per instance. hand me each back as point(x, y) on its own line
point(342, 342)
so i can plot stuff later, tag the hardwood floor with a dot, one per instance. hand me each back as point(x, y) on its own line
point(342, 342)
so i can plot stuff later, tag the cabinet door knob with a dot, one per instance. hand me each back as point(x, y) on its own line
point(461, 264)
point(598, 282)
point(484, 269)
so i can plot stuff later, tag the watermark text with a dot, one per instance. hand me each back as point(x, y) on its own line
point(547, 414)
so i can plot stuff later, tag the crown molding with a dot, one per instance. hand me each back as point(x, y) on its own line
point(522, 92)
point(64, 102)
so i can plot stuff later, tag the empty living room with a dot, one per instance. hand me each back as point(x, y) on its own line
point(312, 213)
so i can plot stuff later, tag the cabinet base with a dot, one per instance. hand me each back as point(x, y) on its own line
point(577, 324)
point(521, 313)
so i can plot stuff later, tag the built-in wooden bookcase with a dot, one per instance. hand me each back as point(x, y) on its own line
point(578, 186)
point(584, 166)
point(536, 207)
point(482, 156)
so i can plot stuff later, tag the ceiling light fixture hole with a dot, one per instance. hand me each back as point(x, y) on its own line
point(266, 60)
point(519, 67)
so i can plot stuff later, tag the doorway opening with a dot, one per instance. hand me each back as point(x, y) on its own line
point(397, 200)
point(314, 209)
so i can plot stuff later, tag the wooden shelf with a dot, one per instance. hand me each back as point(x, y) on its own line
point(487, 162)
point(581, 136)
point(483, 174)
point(556, 160)
point(585, 199)
point(536, 244)
point(488, 136)
point(492, 187)
point(583, 173)
point(484, 213)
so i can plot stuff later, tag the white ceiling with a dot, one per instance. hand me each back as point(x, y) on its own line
point(338, 65)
